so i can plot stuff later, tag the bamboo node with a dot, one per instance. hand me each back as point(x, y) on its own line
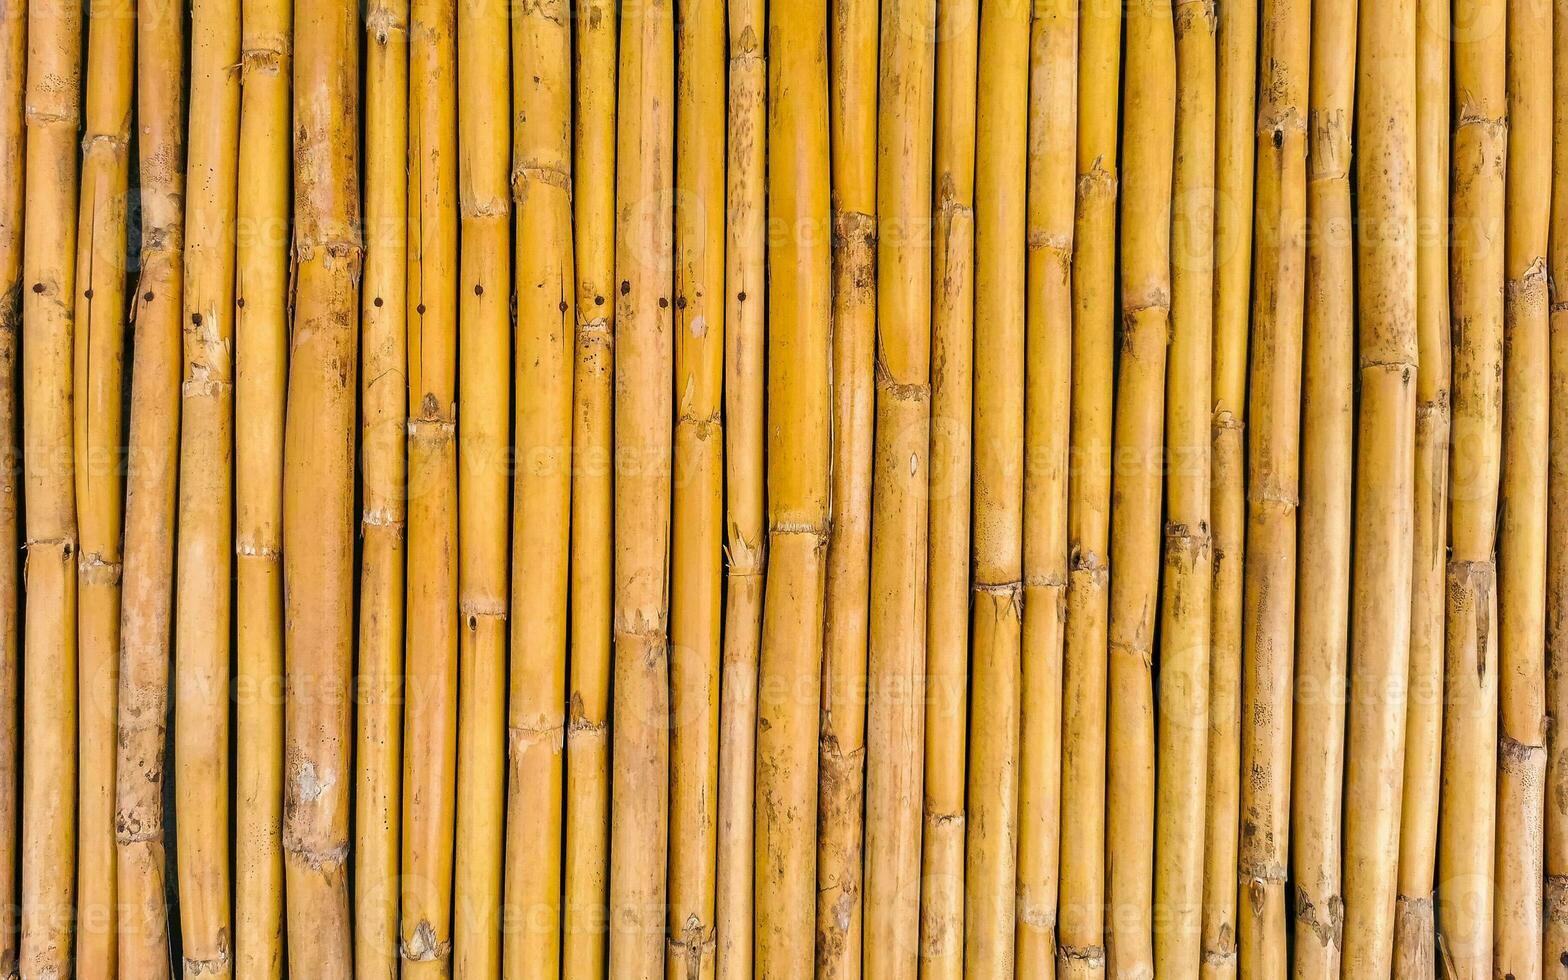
point(116, 143)
point(424, 946)
point(1328, 928)
point(1528, 282)
point(936, 818)
point(381, 517)
point(1518, 757)
point(381, 22)
point(263, 60)
point(1092, 957)
point(520, 738)
point(315, 859)
point(1096, 183)
point(1557, 899)
point(913, 391)
point(1058, 247)
point(212, 965)
point(250, 549)
point(94, 569)
point(527, 174)
point(1037, 915)
point(309, 784)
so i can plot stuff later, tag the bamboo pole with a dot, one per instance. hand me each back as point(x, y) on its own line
point(1555, 827)
point(899, 511)
point(318, 491)
point(383, 310)
point(1328, 429)
point(1467, 813)
point(1188, 566)
point(205, 538)
point(1414, 931)
point(799, 435)
point(483, 511)
point(745, 493)
point(697, 599)
point(13, 153)
point(1053, 115)
point(1235, 122)
point(1383, 559)
point(592, 549)
point(261, 389)
point(1521, 543)
point(947, 557)
point(541, 188)
point(1269, 596)
point(848, 812)
point(98, 416)
point(147, 597)
point(644, 383)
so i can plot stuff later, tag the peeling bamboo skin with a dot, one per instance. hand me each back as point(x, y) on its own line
point(697, 603)
point(848, 850)
point(484, 484)
point(644, 406)
point(941, 911)
point(378, 756)
point(1328, 429)
point(587, 774)
point(13, 152)
point(147, 596)
point(261, 390)
point(1185, 599)
point(99, 368)
point(1555, 824)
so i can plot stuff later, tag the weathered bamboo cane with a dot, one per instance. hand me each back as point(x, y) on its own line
point(941, 921)
point(1188, 565)
point(1555, 953)
point(484, 389)
point(744, 448)
point(697, 596)
point(13, 153)
point(644, 444)
point(848, 818)
point(1383, 559)
point(584, 933)
point(1328, 430)
point(98, 416)
point(152, 465)
point(261, 390)
point(378, 756)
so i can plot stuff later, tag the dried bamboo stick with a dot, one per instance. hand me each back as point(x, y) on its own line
point(13, 153)
point(1555, 827)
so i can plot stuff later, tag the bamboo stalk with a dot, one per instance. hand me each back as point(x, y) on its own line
point(799, 436)
point(1269, 595)
point(1467, 814)
point(1328, 428)
point(98, 415)
point(1188, 561)
point(261, 390)
point(378, 755)
point(644, 376)
point(1235, 122)
point(947, 555)
point(899, 505)
point(1555, 827)
point(13, 154)
point(484, 410)
point(205, 538)
point(318, 491)
point(541, 188)
point(697, 602)
point(1521, 543)
point(744, 441)
point(1383, 559)
point(1414, 928)
point(851, 804)
point(592, 549)
point(152, 471)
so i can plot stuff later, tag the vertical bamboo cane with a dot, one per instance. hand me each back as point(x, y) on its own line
point(895, 709)
point(261, 389)
point(745, 492)
point(1467, 814)
point(1383, 560)
point(98, 387)
point(1328, 430)
point(1555, 953)
point(947, 555)
point(1269, 596)
point(799, 437)
point(205, 538)
point(483, 512)
point(1235, 122)
point(592, 548)
point(541, 516)
point(644, 384)
point(318, 490)
point(848, 848)
point(1414, 935)
point(1188, 562)
point(1521, 543)
point(378, 757)
point(13, 152)
point(697, 600)
point(147, 598)
point(1053, 115)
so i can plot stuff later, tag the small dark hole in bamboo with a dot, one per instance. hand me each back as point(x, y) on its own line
point(478, 290)
point(377, 302)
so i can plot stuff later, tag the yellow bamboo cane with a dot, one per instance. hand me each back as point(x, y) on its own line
point(13, 152)
point(1555, 953)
